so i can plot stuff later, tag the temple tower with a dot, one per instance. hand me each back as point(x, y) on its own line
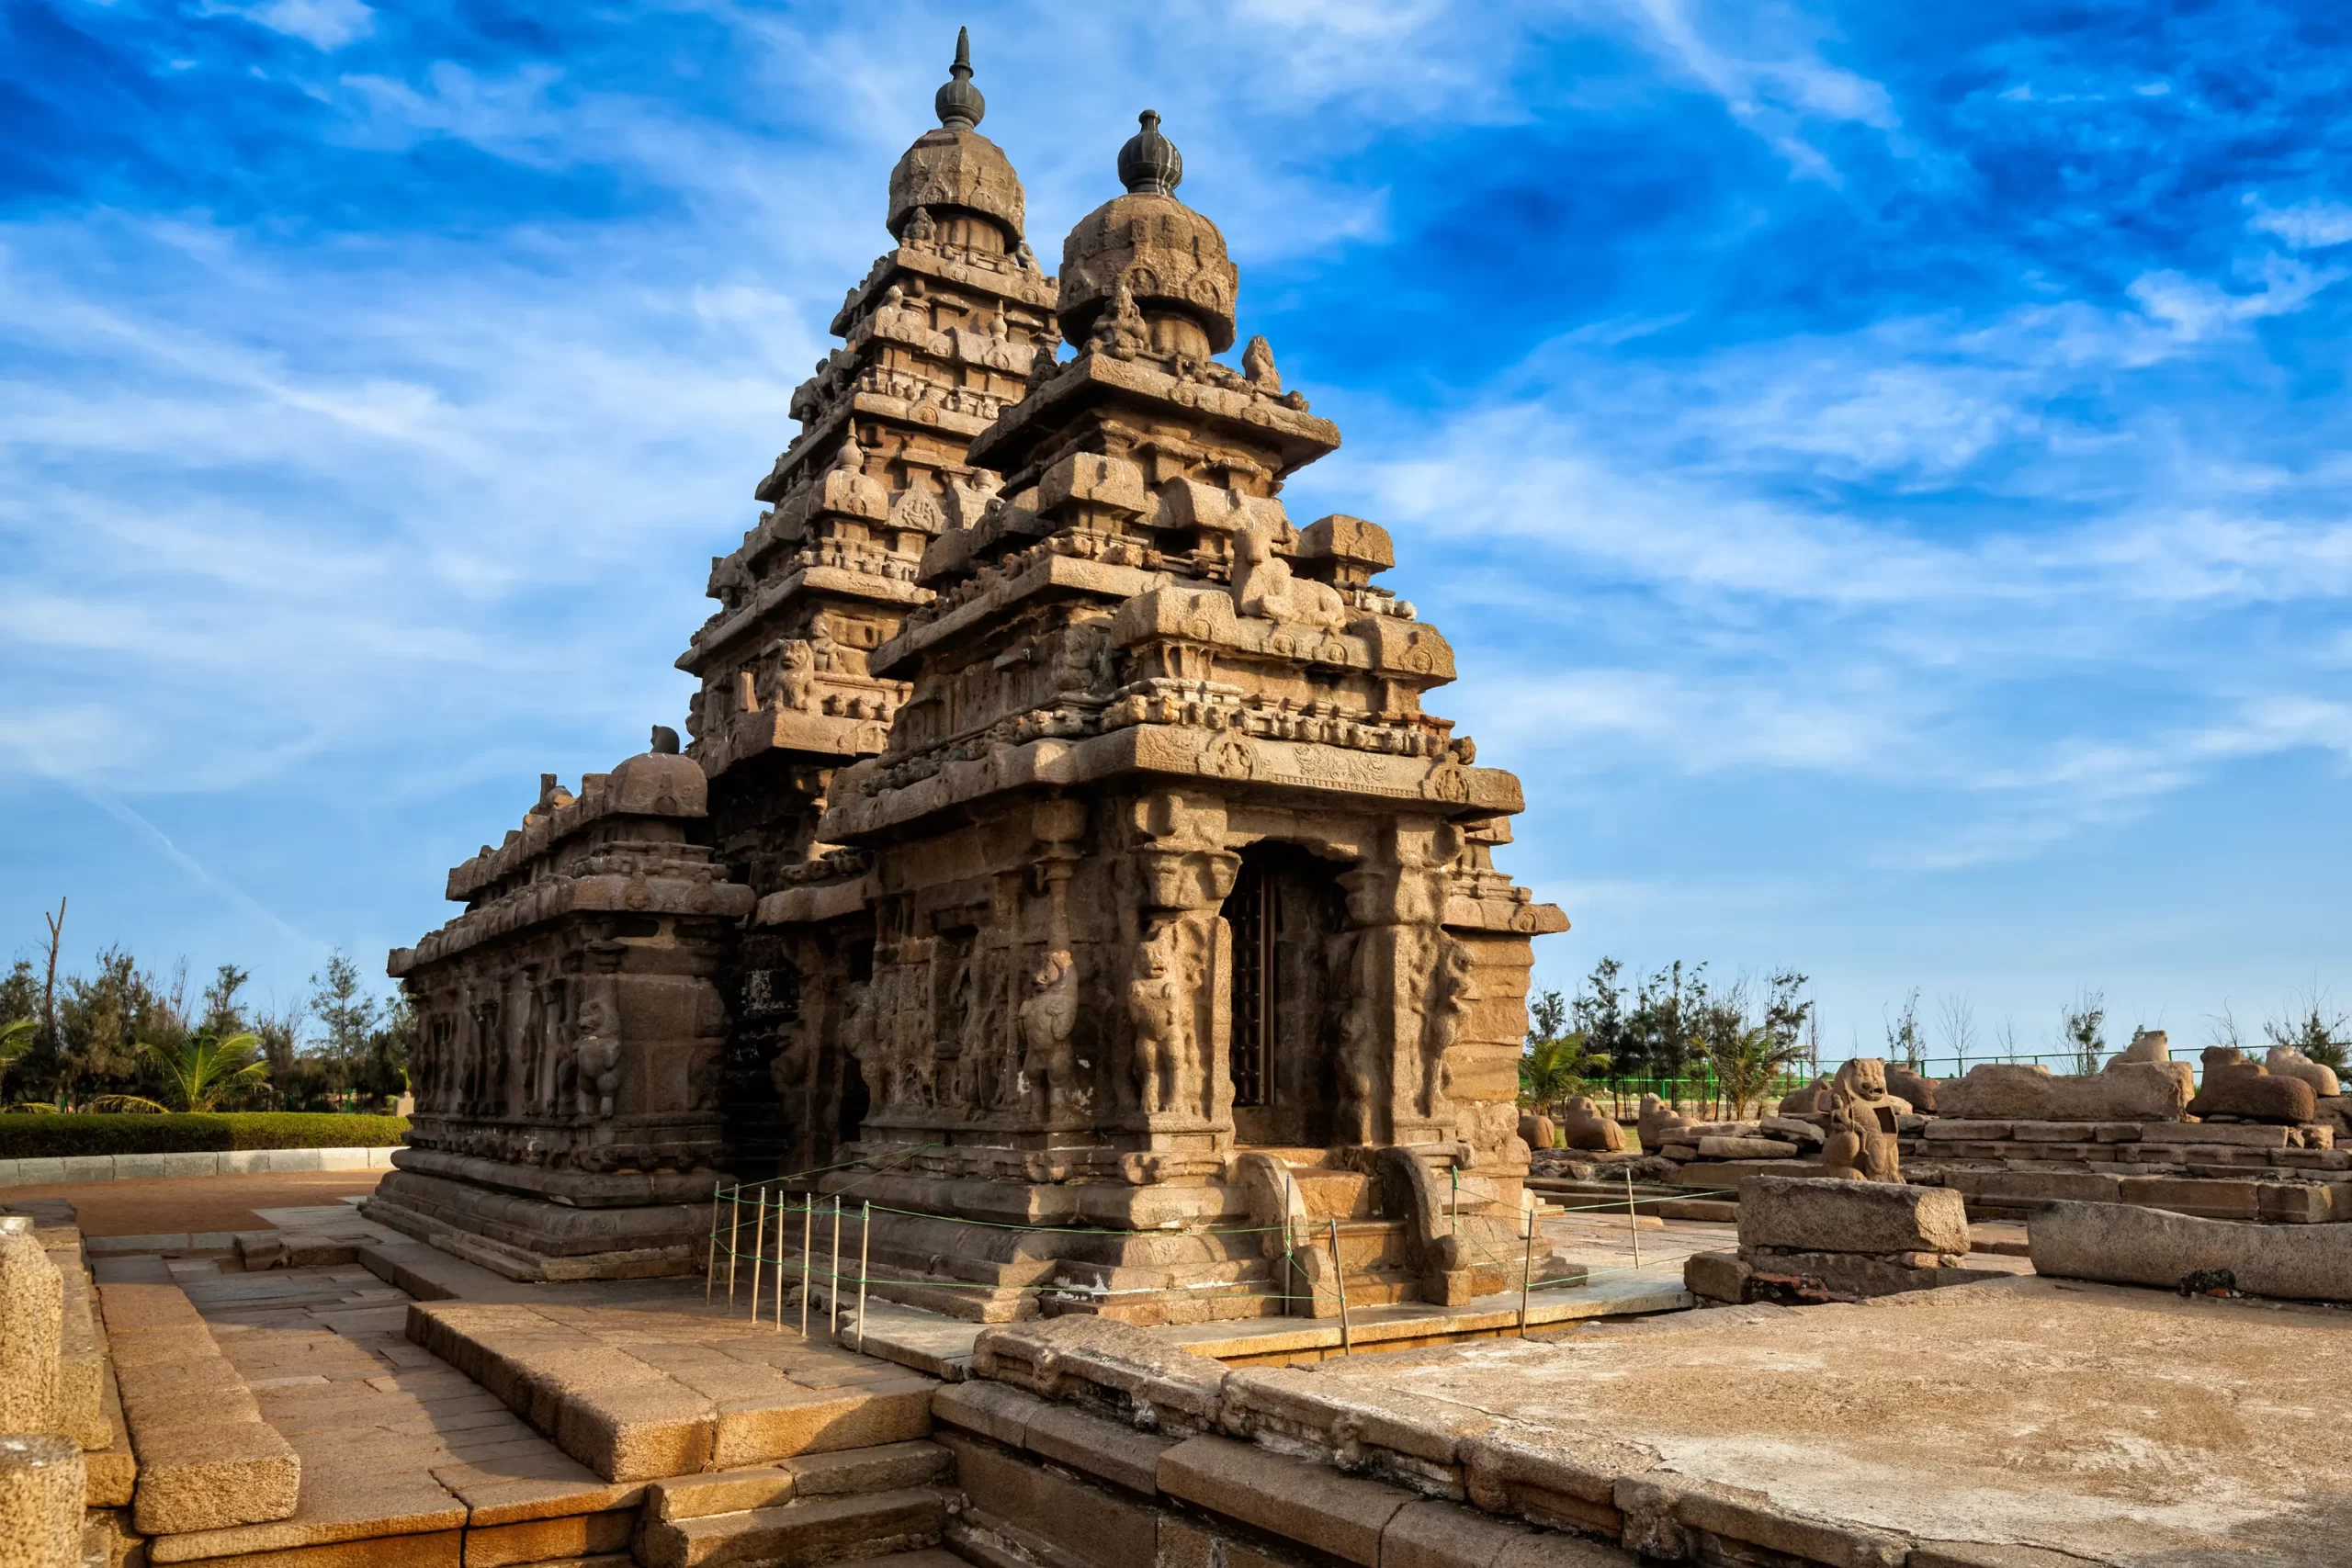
point(1166, 898)
point(939, 338)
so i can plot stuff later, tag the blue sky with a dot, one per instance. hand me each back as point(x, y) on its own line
point(1882, 467)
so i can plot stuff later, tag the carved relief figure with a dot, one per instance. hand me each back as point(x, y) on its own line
point(795, 680)
point(858, 1038)
point(1121, 333)
point(1047, 1019)
point(1160, 1007)
point(1353, 954)
point(1441, 1027)
point(597, 1050)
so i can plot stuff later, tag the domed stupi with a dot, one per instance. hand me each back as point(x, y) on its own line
point(954, 174)
point(1170, 258)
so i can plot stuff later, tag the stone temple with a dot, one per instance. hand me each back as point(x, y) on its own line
point(1060, 842)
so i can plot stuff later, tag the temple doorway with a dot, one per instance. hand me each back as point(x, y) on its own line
point(1287, 915)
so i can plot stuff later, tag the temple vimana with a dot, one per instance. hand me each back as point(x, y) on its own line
point(1059, 839)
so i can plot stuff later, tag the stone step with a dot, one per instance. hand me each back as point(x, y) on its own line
point(206, 1458)
point(888, 1467)
point(797, 1534)
point(639, 1395)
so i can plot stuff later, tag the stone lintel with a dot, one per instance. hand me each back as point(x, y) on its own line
point(1235, 764)
point(823, 901)
point(1093, 379)
point(1504, 915)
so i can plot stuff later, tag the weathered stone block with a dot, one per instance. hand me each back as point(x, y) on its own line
point(1718, 1276)
point(1858, 1274)
point(32, 1327)
point(41, 1491)
point(1850, 1216)
point(2214, 1199)
point(2002, 1091)
point(210, 1473)
point(1746, 1148)
point(1311, 1504)
point(2131, 1246)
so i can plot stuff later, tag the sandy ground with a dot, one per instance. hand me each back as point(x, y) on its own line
point(179, 1203)
point(2129, 1426)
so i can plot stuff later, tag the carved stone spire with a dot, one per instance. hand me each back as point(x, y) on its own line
point(959, 103)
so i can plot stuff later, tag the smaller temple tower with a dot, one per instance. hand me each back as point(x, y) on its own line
point(939, 338)
point(568, 1036)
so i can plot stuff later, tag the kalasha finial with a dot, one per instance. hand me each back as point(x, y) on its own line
point(959, 103)
point(1150, 163)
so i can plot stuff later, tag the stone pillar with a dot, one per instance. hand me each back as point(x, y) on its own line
point(41, 1487)
point(32, 1328)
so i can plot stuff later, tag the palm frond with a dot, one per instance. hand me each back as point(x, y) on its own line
point(204, 1068)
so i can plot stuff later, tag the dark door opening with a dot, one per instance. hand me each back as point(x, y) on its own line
point(1286, 914)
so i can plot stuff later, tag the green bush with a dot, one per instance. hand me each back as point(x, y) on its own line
point(37, 1137)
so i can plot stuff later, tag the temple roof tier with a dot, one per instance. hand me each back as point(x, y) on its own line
point(1226, 760)
point(1205, 397)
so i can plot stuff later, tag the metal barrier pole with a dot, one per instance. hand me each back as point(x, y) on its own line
point(779, 1262)
point(864, 1244)
point(808, 1251)
point(1526, 1272)
point(833, 1290)
point(710, 1250)
point(1340, 1278)
point(734, 1234)
point(1633, 1219)
point(759, 1245)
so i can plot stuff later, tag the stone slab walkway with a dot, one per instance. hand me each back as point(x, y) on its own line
point(405, 1460)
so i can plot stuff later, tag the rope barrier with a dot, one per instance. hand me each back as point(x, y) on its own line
point(760, 1194)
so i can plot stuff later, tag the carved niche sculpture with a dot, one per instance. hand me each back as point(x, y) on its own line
point(1048, 1017)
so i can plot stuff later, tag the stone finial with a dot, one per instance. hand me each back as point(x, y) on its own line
point(959, 103)
point(1150, 163)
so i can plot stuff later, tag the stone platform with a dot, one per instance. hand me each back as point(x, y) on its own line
point(2021, 1424)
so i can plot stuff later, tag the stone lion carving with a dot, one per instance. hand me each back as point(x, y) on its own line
point(1863, 1120)
point(1263, 586)
point(2289, 1062)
